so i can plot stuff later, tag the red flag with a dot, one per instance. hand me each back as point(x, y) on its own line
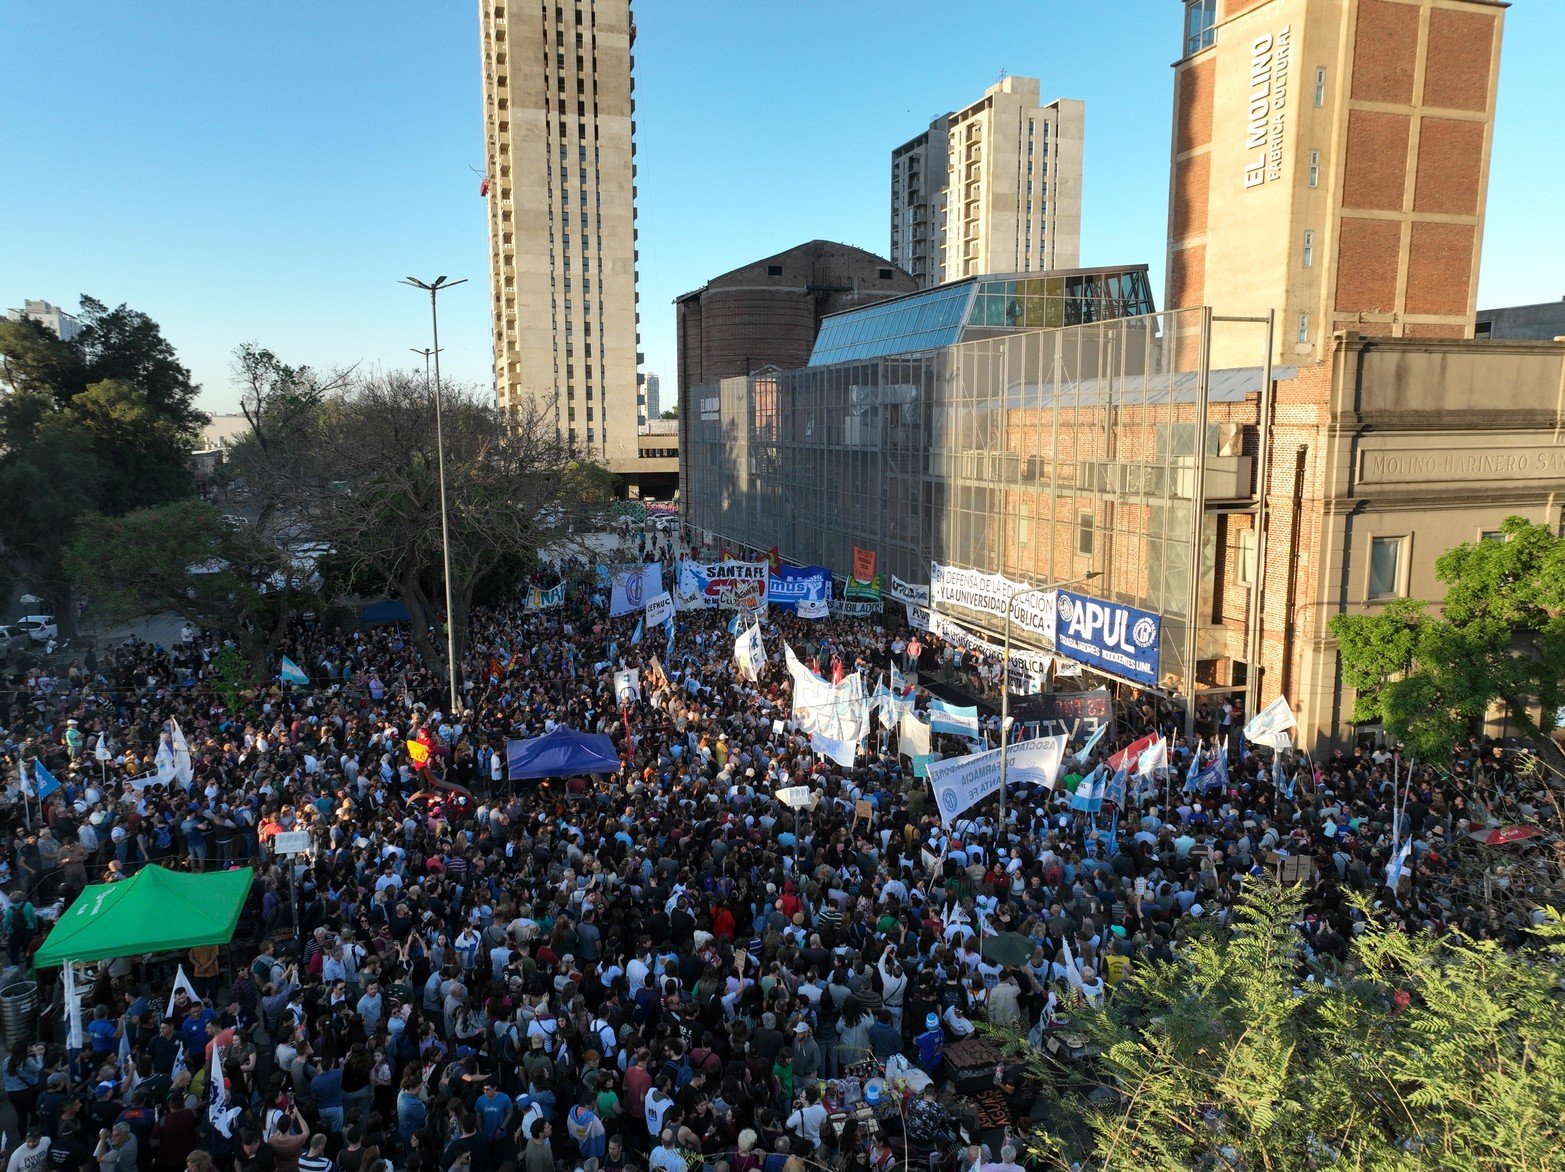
point(836, 670)
point(483, 186)
point(1131, 752)
point(863, 564)
point(773, 561)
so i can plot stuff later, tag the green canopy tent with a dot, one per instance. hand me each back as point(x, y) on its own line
point(155, 910)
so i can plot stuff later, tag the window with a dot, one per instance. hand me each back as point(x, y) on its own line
point(1314, 168)
point(1309, 247)
point(774, 270)
point(1304, 329)
point(1385, 566)
point(1200, 19)
point(1244, 572)
point(1320, 87)
point(1494, 535)
point(1084, 524)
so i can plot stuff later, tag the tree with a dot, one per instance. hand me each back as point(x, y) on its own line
point(1498, 639)
point(183, 557)
point(360, 474)
point(671, 413)
point(125, 344)
point(104, 423)
point(1420, 1052)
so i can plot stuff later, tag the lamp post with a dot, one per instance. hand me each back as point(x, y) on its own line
point(1005, 682)
point(433, 288)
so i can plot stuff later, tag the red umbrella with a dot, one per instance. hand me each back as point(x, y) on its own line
point(1506, 835)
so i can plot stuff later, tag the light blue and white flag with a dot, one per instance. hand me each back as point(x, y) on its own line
point(953, 718)
point(1397, 863)
point(1154, 760)
point(292, 673)
point(735, 626)
point(1114, 791)
point(1088, 798)
point(1092, 743)
point(635, 636)
point(44, 782)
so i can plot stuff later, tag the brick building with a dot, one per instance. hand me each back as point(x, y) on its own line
point(1330, 160)
point(768, 312)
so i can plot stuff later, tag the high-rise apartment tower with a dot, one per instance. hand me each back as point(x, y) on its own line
point(558, 132)
point(993, 188)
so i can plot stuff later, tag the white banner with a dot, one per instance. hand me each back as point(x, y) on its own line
point(659, 607)
point(814, 608)
point(909, 593)
point(959, 636)
point(918, 617)
point(1272, 719)
point(912, 736)
point(845, 608)
point(627, 686)
point(962, 782)
point(991, 594)
point(836, 712)
point(751, 653)
point(632, 588)
point(842, 752)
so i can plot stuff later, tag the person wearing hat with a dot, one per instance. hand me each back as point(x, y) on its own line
point(931, 1045)
point(32, 1154)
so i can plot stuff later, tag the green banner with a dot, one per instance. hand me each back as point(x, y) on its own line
point(866, 590)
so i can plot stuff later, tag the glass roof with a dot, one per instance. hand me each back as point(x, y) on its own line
point(920, 321)
point(934, 318)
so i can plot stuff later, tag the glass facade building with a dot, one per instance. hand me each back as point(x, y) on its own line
point(1041, 454)
point(979, 306)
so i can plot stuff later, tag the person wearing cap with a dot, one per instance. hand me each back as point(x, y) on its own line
point(931, 1045)
point(806, 1053)
point(32, 1154)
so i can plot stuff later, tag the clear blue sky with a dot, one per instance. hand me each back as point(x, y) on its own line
point(268, 171)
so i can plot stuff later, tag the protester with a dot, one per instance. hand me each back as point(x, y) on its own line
point(657, 966)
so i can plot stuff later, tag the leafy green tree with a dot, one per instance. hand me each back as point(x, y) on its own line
point(104, 423)
point(1497, 639)
point(1421, 1052)
point(183, 557)
point(35, 362)
point(125, 344)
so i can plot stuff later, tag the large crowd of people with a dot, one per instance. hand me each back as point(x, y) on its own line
point(663, 968)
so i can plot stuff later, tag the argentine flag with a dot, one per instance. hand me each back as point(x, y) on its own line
point(292, 673)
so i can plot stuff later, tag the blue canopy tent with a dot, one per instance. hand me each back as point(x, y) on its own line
point(561, 753)
point(387, 610)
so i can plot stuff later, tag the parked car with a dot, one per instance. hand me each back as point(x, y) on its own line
point(666, 523)
point(11, 639)
point(41, 628)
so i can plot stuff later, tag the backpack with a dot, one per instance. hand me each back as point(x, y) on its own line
point(163, 840)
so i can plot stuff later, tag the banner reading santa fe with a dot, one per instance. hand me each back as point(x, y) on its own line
point(962, 782)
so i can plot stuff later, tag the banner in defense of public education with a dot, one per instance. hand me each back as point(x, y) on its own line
point(1117, 638)
point(1074, 715)
point(633, 586)
point(991, 594)
point(962, 782)
point(959, 636)
point(787, 586)
point(909, 593)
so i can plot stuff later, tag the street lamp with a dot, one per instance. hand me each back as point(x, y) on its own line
point(1005, 683)
point(434, 288)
